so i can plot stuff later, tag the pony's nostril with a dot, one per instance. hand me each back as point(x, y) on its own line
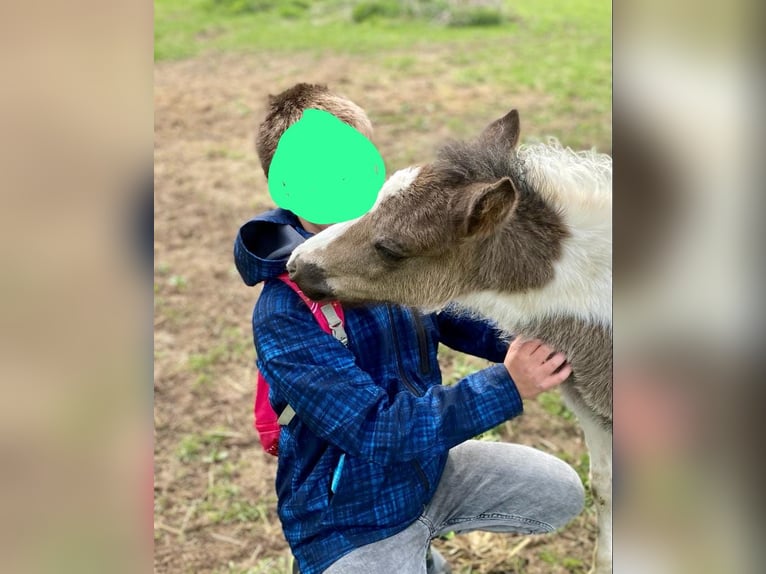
point(292, 265)
point(312, 280)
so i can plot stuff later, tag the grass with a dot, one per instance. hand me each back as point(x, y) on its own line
point(207, 447)
point(232, 347)
point(185, 28)
point(280, 565)
point(224, 504)
point(570, 564)
point(553, 404)
point(178, 282)
point(554, 47)
point(223, 501)
point(225, 153)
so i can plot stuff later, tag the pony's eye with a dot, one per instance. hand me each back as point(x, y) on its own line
point(388, 254)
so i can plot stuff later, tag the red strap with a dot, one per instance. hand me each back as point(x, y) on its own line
point(315, 308)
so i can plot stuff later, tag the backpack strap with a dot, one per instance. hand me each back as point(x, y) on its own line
point(286, 416)
point(334, 322)
point(330, 318)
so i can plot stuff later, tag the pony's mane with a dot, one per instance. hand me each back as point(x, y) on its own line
point(461, 163)
point(567, 177)
point(561, 175)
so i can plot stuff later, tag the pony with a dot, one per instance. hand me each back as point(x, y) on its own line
point(519, 234)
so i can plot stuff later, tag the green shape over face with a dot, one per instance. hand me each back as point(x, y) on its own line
point(324, 170)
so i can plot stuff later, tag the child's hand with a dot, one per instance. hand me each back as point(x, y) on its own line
point(533, 367)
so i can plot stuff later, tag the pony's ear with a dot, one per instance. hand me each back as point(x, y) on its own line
point(504, 131)
point(488, 206)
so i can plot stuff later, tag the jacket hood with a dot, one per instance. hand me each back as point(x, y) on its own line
point(264, 245)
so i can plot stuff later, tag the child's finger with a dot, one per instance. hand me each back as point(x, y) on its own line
point(555, 362)
point(542, 353)
point(522, 346)
point(557, 378)
point(531, 346)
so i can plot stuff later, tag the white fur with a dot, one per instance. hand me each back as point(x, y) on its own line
point(397, 183)
point(578, 183)
point(599, 443)
point(322, 239)
point(579, 186)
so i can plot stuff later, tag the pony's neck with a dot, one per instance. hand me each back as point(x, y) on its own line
point(553, 255)
point(520, 255)
point(538, 266)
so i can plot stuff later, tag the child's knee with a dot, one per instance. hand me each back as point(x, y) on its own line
point(566, 496)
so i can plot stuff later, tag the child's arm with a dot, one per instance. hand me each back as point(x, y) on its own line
point(466, 334)
point(339, 402)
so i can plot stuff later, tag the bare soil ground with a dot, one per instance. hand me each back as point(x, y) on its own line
point(214, 495)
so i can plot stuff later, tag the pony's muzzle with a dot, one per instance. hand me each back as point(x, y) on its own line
point(310, 278)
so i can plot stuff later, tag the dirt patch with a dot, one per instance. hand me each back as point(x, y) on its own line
point(214, 495)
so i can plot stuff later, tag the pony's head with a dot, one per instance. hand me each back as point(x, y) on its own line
point(464, 223)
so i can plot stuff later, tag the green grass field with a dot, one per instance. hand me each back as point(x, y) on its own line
point(558, 48)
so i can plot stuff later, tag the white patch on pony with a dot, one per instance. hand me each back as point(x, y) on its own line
point(397, 183)
point(309, 248)
point(579, 186)
point(582, 287)
point(599, 443)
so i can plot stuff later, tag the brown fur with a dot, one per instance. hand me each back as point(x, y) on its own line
point(588, 347)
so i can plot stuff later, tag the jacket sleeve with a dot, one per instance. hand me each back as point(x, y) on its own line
point(340, 403)
point(460, 331)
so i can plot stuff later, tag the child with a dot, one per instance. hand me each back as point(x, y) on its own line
point(409, 471)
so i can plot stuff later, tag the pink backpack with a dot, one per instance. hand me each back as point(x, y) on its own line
point(267, 423)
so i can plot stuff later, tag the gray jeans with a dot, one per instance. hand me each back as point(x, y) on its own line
point(492, 486)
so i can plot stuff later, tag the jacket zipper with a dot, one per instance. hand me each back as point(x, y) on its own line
point(424, 366)
point(419, 471)
point(404, 378)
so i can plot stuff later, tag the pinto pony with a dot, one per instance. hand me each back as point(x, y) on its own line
point(519, 234)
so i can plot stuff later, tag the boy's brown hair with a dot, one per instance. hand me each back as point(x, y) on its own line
point(286, 108)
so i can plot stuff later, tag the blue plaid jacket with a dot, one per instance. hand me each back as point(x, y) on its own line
point(380, 401)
